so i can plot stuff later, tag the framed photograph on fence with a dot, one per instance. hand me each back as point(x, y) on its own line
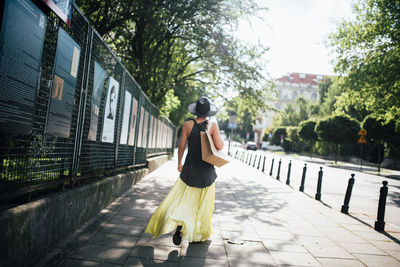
point(110, 111)
point(98, 85)
point(125, 118)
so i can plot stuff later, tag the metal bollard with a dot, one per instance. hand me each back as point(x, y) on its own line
point(272, 166)
point(247, 157)
point(319, 184)
point(259, 160)
point(251, 156)
point(303, 178)
point(380, 222)
point(263, 168)
point(345, 206)
point(255, 159)
point(288, 173)
point(236, 153)
point(279, 170)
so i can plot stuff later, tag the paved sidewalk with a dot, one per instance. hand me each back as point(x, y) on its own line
point(277, 226)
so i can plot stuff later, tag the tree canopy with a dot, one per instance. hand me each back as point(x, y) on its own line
point(368, 59)
point(179, 50)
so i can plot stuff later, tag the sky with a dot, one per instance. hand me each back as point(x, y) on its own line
point(295, 31)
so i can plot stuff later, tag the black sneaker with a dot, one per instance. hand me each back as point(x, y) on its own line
point(177, 239)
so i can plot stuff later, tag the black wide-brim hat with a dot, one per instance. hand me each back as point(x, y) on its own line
point(202, 108)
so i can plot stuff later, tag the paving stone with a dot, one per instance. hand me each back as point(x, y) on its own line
point(200, 262)
point(146, 213)
point(83, 263)
point(280, 235)
point(395, 254)
point(242, 227)
point(163, 240)
point(203, 250)
point(240, 235)
point(126, 229)
point(357, 227)
point(328, 251)
point(114, 240)
point(142, 262)
point(294, 258)
point(364, 248)
point(378, 260)
point(284, 245)
point(251, 262)
point(372, 235)
point(329, 262)
point(307, 231)
point(315, 240)
point(102, 253)
point(157, 252)
point(131, 220)
point(249, 250)
point(385, 245)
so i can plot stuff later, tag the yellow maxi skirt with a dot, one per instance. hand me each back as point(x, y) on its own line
point(190, 207)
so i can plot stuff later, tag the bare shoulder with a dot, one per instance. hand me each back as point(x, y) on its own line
point(187, 126)
point(213, 125)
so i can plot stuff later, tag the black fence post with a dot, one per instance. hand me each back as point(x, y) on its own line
point(236, 153)
point(279, 169)
point(247, 157)
point(345, 206)
point(319, 184)
point(259, 160)
point(288, 173)
point(263, 167)
point(255, 159)
point(303, 178)
point(380, 222)
point(272, 166)
point(251, 156)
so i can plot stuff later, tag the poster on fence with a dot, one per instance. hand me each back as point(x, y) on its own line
point(110, 111)
point(133, 122)
point(21, 47)
point(62, 8)
point(140, 130)
point(63, 86)
point(125, 118)
point(98, 85)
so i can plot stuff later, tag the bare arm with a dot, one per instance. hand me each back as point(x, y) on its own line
point(182, 145)
point(216, 136)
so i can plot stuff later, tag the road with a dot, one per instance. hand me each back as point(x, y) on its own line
point(365, 196)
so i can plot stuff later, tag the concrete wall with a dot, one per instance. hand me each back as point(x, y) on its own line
point(28, 232)
point(154, 163)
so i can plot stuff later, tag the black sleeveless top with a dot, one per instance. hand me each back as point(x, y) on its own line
point(195, 171)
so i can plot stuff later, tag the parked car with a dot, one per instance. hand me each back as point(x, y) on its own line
point(251, 145)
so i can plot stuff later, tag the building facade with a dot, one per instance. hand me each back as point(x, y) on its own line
point(289, 87)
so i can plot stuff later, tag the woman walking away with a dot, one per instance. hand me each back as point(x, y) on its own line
point(189, 205)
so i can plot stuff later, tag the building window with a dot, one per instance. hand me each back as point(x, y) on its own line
point(294, 95)
point(302, 75)
point(314, 97)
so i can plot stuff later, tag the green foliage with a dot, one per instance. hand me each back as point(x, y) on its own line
point(182, 46)
point(294, 114)
point(277, 134)
point(338, 129)
point(307, 131)
point(368, 50)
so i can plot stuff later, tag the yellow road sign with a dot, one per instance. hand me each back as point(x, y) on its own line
point(362, 140)
point(362, 132)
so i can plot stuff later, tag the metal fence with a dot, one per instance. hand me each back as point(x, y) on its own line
point(42, 159)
